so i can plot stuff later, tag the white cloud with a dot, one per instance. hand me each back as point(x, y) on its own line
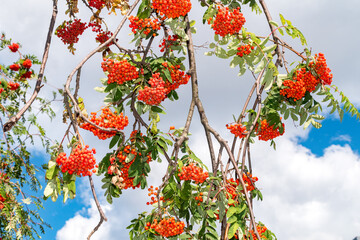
point(308, 197)
point(343, 138)
point(84, 221)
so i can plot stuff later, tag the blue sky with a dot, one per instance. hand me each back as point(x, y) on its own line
point(334, 132)
point(310, 184)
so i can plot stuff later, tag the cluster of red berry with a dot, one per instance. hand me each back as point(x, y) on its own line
point(227, 21)
point(107, 119)
point(304, 80)
point(146, 24)
point(167, 43)
point(321, 69)
point(14, 47)
point(237, 129)
point(3, 177)
point(24, 65)
point(123, 158)
point(261, 230)
point(178, 78)
point(27, 64)
point(232, 184)
point(244, 50)
point(199, 198)
point(249, 181)
point(80, 162)
point(194, 173)
point(172, 8)
point(102, 36)
point(134, 137)
point(154, 94)
point(70, 31)
point(98, 4)
point(295, 89)
point(13, 86)
point(230, 187)
point(267, 132)
point(168, 227)
point(14, 67)
point(119, 71)
point(153, 192)
point(2, 200)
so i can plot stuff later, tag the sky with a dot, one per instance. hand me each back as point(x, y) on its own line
point(310, 183)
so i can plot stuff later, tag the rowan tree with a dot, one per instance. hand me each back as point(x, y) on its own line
point(194, 201)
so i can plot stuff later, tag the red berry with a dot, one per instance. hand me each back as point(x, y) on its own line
point(27, 63)
point(14, 47)
point(14, 67)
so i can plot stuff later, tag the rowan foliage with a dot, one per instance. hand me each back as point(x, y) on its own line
point(194, 200)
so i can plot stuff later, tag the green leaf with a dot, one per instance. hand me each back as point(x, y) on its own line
point(72, 187)
point(114, 140)
point(232, 219)
point(294, 117)
point(129, 157)
point(283, 21)
point(274, 23)
point(210, 213)
point(220, 52)
point(185, 193)
point(303, 117)
point(51, 172)
point(268, 79)
point(286, 114)
point(232, 230)
point(231, 211)
point(317, 117)
point(261, 66)
point(270, 48)
point(316, 124)
point(50, 188)
point(167, 74)
point(157, 109)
